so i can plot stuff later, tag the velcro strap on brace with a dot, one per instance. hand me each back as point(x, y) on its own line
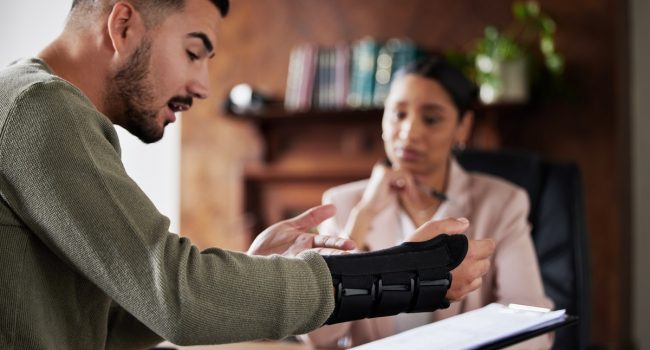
point(411, 277)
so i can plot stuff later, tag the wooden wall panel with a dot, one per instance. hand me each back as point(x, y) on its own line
point(254, 47)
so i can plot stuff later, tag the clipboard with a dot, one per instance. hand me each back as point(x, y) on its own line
point(568, 321)
point(492, 327)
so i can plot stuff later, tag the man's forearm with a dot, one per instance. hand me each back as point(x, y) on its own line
point(411, 277)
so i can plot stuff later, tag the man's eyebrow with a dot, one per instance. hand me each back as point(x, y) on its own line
point(204, 38)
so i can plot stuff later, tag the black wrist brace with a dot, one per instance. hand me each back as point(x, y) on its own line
point(411, 277)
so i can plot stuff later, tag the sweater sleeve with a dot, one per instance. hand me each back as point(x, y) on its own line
point(125, 332)
point(62, 175)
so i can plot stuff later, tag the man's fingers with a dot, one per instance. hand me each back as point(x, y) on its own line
point(459, 293)
point(468, 276)
point(471, 269)
point(476, 284)
point(463, 284)
point(312, 217)
point(333, 242)
point(433, 228)
point(329, 251)
point(480, 268)
point(480, 249)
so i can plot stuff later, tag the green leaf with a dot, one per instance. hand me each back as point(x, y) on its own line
point(555, 63)
point(519, 11)
point(548, 25)
point(532, 8)
point(546, 44)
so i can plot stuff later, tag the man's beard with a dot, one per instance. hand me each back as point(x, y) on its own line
point(133, 91)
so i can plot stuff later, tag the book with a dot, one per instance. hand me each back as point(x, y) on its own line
point(321, 81)
point(294, 74)
point(491, 326)
point(393, 55)
point(307, 81)
point(356, 76)
point(342, 75)
point(364, 57)
point(300, 77)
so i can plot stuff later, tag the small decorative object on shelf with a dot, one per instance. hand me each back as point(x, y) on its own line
point(244, 99)
point(505, 63)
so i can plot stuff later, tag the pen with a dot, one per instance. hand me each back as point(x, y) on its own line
point(528, 308)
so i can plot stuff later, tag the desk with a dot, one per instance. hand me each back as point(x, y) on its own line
point(262, 345)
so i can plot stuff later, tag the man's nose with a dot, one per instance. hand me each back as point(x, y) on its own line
point(199, 87)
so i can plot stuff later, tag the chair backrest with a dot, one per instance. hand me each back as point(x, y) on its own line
point(558, 230)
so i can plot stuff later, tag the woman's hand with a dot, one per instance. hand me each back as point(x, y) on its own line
point(379, 190)
point(383, 185)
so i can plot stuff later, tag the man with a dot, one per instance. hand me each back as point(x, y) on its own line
point(88, 262)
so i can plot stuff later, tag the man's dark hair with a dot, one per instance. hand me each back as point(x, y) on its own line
point(222, 5)
point(434, 66)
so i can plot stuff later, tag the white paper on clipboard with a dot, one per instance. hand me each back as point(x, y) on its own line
point(469, 330)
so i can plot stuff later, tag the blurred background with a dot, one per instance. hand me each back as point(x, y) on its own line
point(221, 176)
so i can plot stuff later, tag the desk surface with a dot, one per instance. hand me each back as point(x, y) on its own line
point(263, 345)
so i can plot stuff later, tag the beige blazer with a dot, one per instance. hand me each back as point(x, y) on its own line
point(496, 209)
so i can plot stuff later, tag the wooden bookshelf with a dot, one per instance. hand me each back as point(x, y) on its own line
point(353, 131)
point(279, 115)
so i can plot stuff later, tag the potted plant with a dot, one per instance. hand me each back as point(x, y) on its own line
point(504, 63)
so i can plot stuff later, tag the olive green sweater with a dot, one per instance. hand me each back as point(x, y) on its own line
point(87, 262)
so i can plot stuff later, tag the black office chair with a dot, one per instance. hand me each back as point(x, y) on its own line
point(558, 229)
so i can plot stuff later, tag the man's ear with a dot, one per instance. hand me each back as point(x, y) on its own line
point(126, 28)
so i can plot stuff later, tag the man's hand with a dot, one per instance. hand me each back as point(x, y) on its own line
point(290, 237)
point(467, 277)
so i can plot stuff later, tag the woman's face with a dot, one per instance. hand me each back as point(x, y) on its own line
point(421, 125)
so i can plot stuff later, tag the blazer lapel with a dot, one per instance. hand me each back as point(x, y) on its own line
point(458, 191)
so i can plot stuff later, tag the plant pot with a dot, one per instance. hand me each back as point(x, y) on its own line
point(502, 81)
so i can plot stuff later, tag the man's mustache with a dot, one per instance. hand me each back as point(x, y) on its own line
point(182, 100)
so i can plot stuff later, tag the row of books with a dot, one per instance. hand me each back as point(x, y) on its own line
point(345, 76)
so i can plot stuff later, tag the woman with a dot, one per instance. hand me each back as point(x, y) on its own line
point(427, 115)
